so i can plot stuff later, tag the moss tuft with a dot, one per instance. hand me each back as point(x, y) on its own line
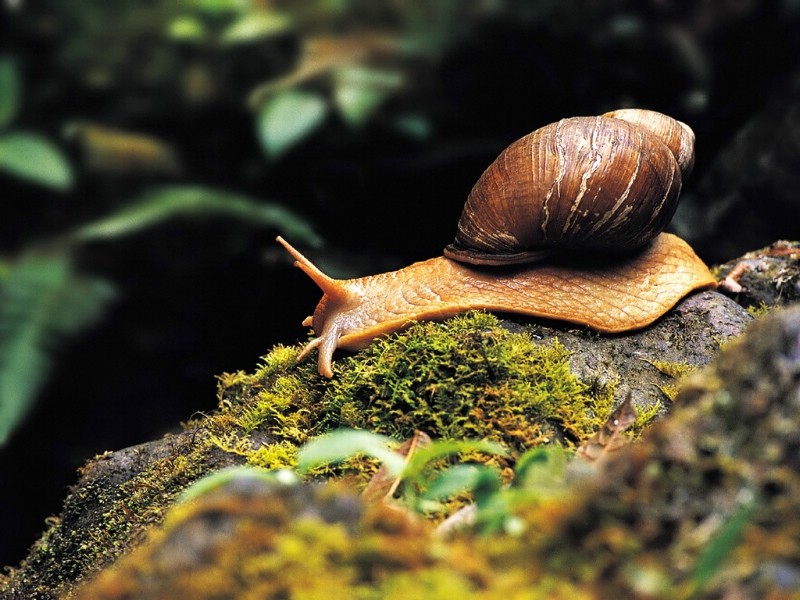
point(760, 310)
point(280, 455)
point(677, 371)
point(464, 378)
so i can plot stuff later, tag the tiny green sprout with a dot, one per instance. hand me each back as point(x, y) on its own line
point(446, 448)
point(455, 480)
point(759, 311)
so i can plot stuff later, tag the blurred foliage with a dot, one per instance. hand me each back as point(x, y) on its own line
point(721, 546)
point(288, 117)
point(164, 203)
point(9, 91)
point(298, 63)
point(27, 155)
point(43, 301)
point(31, 156)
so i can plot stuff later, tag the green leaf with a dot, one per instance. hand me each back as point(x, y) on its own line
point(221, 7)
point(10, 91)
point(359, 91)
point(288, 117)
point(256, 26)
point(42, 304)
point(347, 443)
point(445, 448)
point(542, 469)
point(164, 203)
point(414, 126)
point(458, 479)
point(32, 157)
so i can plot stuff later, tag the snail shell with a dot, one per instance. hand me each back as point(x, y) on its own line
point(609, 183)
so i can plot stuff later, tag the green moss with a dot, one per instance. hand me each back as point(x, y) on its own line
point(464, 378)
point(759, 311)
point(675, 370)
point(249, 539)
point(467, 377)
point(104, 516)
point(280, 455)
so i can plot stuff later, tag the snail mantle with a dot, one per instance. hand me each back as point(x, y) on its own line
point(565, 224)
point(609, 296)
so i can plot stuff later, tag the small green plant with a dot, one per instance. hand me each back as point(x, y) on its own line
point(43, 302)
point(432, 476)
point(721, 546)
point(760, 310)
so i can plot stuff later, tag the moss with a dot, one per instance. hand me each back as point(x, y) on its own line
point(644, 418)
point(279, 455)
point(465, 378)
point(705, 505)
point(250, 539)
point(105, 515)
point(677, 371)
point(759, 310)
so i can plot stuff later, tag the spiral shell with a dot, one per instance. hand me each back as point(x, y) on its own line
point(586, 184)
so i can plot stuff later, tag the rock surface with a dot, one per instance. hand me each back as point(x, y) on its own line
point(121, 496)
point(705, 505)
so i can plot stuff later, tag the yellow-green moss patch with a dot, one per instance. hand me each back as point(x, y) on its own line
point(464, 378)
point(759, 311)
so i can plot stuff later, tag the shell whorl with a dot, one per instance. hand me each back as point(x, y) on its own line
point(608, 183)
point(676, 135)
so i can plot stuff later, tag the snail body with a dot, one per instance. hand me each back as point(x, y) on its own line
point(590, 194)
point(611, 296)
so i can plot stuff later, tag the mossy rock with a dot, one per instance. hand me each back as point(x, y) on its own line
point(706, 504)
point(522, 383)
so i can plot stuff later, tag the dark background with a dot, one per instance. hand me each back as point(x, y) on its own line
point(200, 296)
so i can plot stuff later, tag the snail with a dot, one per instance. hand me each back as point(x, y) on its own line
point(565, 224)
